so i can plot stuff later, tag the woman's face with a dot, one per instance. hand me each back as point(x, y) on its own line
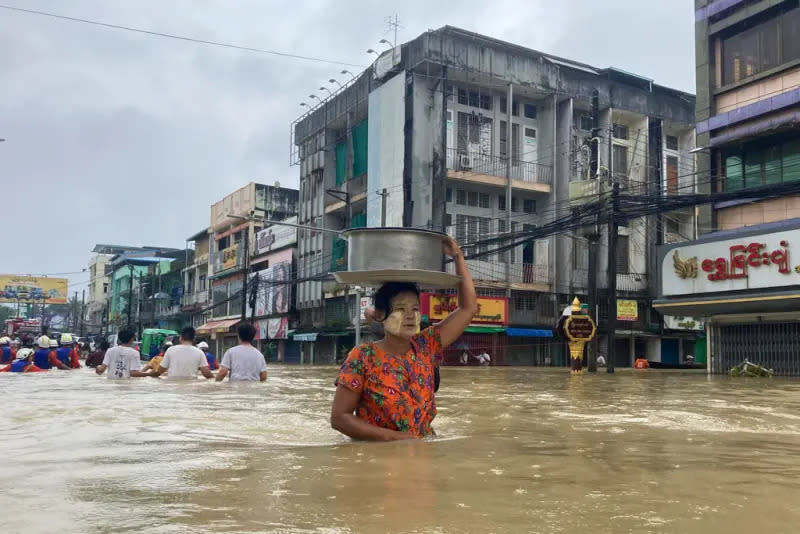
point(405, 317)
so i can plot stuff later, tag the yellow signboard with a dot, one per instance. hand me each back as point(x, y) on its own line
point(627, 310)
point(492, 310)
point(229, 257)
point(15, 288)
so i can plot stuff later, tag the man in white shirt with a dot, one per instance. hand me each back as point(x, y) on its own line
point(184, 360)
point(122, 361)
point(244, 361)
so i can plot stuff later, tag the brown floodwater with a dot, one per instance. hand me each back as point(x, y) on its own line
point(518, 450)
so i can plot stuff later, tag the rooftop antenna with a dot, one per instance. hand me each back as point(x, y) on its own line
point(392, 24)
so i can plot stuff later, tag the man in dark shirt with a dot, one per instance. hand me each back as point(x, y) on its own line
point(96, 358)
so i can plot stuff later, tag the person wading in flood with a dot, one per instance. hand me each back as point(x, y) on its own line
point(390, 384)
point(123, 360)
point(184, 360)
point(244, 362)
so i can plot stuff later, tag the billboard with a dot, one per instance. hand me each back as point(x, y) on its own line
point(491, 310)
point(627, 310)
point(275, 237)
point(17, 288)
point(274, 289)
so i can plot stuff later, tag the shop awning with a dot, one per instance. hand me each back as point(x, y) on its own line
point(529, 332)
point(750, 302)
point(217, 326)
point(473, 329)
point(309, 336)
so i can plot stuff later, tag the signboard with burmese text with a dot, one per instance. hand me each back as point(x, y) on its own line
point(759, 261)
point(491, 310)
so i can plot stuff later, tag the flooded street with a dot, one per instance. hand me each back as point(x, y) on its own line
point(519, 450)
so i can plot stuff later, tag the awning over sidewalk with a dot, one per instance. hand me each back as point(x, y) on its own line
point(217, 326)
point(474, 329)
point(528, 332)
point(308, 336)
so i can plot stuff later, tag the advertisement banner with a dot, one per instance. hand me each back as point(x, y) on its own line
point(627, 310)
point(276, 237)
point(229, 257)
point(17, 288)
point(491, 310)
point(276, 328)
point(274, 290)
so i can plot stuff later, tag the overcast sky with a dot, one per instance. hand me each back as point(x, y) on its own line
point(118, 137)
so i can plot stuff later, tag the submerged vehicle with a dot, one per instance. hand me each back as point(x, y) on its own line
point(152, 339)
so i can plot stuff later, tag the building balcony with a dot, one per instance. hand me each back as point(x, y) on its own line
point(227, 261)
point(522, 276)
point(193, 300)
point(485, 169)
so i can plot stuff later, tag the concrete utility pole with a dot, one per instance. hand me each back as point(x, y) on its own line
point(130, 295)
point(83, 311)
point(383, 193)
point(509, 154)
point(594, 236)
point(612, 274)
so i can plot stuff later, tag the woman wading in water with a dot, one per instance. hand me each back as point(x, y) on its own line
point(385, 390)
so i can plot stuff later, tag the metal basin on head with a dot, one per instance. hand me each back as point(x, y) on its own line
point(378, 255)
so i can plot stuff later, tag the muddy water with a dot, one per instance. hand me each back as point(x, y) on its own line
point(519, 450)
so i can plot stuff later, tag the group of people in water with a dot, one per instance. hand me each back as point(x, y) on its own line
point(385, 390)
point(181, 359)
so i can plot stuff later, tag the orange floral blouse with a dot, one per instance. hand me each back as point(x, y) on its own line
point(396, 391)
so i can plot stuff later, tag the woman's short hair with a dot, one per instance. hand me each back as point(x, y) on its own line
point(388, 291)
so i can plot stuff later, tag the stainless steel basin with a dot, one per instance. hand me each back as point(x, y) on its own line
point(372, 249)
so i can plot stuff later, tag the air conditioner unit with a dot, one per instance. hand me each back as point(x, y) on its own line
point(465, 162)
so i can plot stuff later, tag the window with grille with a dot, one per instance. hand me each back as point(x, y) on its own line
point(483, 201)
point(672, 142)
point(620, 131)
point(530, 111)
point(501, 202)
point(623, 254)
point(513, 252)
point(474, 133)
point(529, 205)
point(449, 195)
point(474, 98)
point(514, 106)
point(672, 175)
point(502, 256)
point(586, 123)
point(620, 163)
point(484, 227)
point(513, 204)
point(461, 228)
point(503, 139)
point(472, 199)
point(525, 301)
point(461, 197)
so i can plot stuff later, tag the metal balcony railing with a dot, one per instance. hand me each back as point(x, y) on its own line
point(194, 299)
point(477, 163)
point(494, 271)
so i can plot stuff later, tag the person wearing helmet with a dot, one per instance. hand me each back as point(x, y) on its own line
point(22, 364)
point(212, 361)
point(68, 353)
point(44, 357)
point(5, 350)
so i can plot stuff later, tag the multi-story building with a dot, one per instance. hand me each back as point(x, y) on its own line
point(739, 275)
point(196, 298)
point(271, 303)
point(99, 284)
point(460, 132)
point(234, 219)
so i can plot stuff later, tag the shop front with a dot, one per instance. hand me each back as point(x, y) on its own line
point(221, 334)
point(745, 284)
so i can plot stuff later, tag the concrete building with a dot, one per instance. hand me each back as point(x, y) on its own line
point(99, 284)
point(234, 219)
point(196, 299)
point(467, 134)
point(742, 282)
point(271, 302)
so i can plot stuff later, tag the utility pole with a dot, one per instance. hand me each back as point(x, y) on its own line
point(130, 295)
point(139, 305)
point(83, 311)
point(612, 274)
point(254, 295)
point(594, 236)
point(75, 312)
point(246, 266)
point(509, 153)
point(383, 193)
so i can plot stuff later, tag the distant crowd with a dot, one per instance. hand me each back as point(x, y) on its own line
point(178, 359)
